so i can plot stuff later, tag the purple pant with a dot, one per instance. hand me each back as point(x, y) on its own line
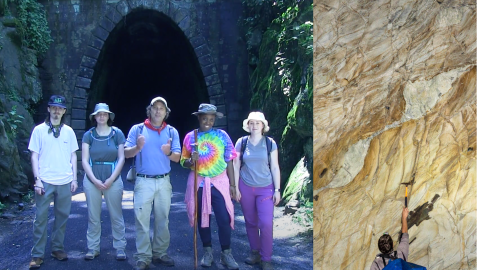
point(257, 207)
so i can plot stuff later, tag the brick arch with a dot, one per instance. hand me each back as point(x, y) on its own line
point(179, 13)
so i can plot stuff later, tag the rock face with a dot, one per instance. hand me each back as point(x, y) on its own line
point(395, 102)
point(19, 91)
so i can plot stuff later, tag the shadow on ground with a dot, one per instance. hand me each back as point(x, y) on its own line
point(289, 252)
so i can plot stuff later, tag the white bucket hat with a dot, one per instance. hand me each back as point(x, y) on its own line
point(256, 116)
point(102, 107)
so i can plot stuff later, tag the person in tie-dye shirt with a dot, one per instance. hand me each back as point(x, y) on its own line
point(215, 182)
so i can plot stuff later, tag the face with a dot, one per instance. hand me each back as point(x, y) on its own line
point(206, 121)
point(158, 112)
point(102, 117)
point(255, 126)
point(56, 113)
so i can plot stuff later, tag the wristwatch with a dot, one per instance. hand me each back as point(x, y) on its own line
point(277, 189)
point(36, 178)
point(169, 154)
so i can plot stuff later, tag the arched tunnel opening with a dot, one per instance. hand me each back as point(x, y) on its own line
point(147, 55)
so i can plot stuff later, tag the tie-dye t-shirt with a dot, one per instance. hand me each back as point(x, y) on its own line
point(215, 149)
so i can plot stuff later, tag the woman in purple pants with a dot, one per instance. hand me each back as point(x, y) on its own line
point(257, 181)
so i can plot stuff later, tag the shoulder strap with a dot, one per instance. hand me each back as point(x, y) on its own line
point(170, 132)
point(115, 137)
point(269, 148)
point(242, 150)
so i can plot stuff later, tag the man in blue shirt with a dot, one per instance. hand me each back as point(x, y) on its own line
point(154, 144)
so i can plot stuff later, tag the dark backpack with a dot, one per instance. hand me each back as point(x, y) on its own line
point(244, 146)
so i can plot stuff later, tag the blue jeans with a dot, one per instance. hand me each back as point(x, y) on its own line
point(221, 215)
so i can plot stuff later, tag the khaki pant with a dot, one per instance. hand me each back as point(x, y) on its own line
point(62, 202)
point(150, 192)
point(113, 199)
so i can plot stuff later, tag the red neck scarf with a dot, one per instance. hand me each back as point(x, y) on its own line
point(149, 125)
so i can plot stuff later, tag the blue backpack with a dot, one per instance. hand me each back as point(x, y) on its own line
point(400, 264)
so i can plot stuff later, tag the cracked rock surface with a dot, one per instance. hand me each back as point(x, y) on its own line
point(395, 102)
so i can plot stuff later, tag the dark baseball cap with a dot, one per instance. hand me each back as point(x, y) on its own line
point(58, 101)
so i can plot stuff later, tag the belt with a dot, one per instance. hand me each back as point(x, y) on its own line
point(153, 176)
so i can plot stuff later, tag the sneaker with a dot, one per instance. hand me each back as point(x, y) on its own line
point(59, 255)
point(164, 260)
point(207, 257)
point(267, 265)
point(254, 258)
point(36, 262)
point(228, 260)
point(91, 254)
point(121, 256)
point(141, 266)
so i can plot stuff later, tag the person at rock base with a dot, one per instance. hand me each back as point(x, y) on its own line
point(215, 185)
point(385, 245)
point(54, 164)
point(257, 181)
point(154, 144)
point(102, 160)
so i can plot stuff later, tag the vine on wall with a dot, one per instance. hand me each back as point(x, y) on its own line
point(33, 26)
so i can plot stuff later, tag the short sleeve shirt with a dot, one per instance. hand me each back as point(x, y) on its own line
point(215, 149)
point(255, 171)
point(151, 160)
point(54, 154)
point(103, 149)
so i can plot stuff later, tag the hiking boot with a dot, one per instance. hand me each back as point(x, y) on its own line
point(36, 262)
point(141, 266)
point(121, 256)
point(253, 258)
point(267, 265)
point(207, 257)
point(228, 260)
point(91, 254)
point(164, 260)
point(59, 255)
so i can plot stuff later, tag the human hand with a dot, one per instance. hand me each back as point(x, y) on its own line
point(108, 183)
point(167, 148)
point(39, 189)
point(276, 198)
point(238, 195)
point(232, 192)
point(73, 186)
point(140, 142)
point(99, 184)
point(195, 156)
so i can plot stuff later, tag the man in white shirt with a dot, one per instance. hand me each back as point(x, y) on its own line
point(54, 164)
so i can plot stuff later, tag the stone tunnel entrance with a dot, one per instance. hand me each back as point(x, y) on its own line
point(148, 55)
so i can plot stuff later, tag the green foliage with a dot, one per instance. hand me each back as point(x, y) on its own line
point(28, 197)
point(2, 206)
point(304, 215)
point(13, 119)
point(4, 10)
point(33, 25)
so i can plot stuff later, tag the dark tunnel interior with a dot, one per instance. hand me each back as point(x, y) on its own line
point(145, 56)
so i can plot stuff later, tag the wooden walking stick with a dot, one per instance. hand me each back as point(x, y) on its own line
point(196, 202)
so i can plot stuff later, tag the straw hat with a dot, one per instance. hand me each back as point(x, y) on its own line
point(256, 116)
